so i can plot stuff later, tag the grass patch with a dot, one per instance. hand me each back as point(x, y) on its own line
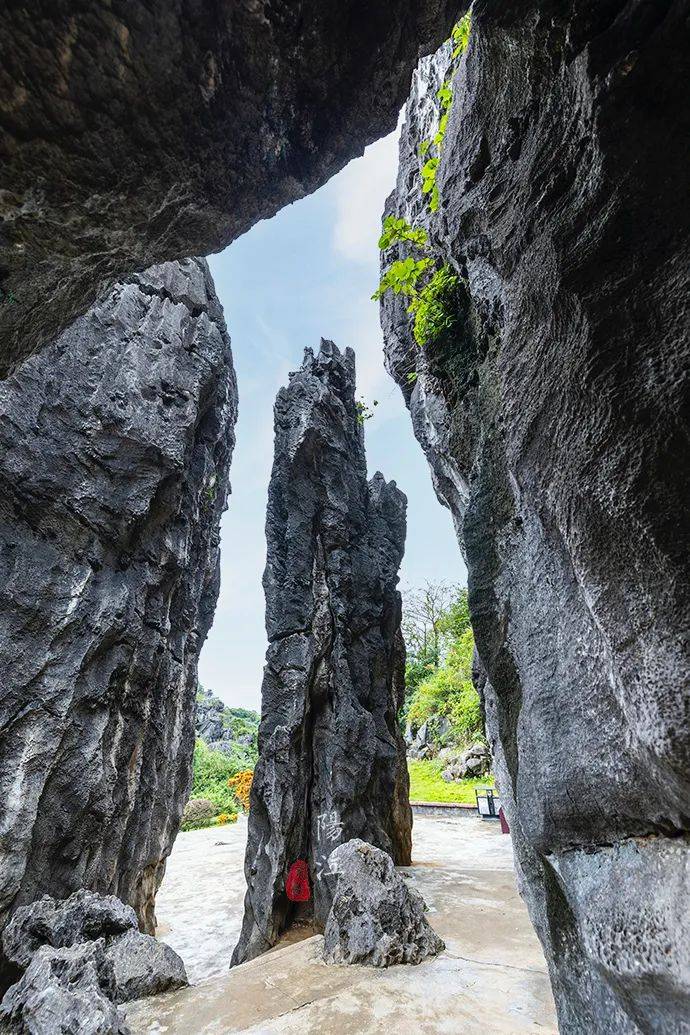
point(426, 784)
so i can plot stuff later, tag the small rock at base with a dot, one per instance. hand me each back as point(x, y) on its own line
point(143, 966)
point(376, 918)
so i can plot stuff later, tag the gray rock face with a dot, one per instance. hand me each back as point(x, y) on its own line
point(209, 717)
point(135, 964)
point(376, 918)
point(553, 420)
point(64, 990)
point(331, 755)
point(114, 450)
point(157, 129)
point(84, 916)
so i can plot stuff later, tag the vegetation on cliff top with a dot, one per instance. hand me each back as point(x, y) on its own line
point(432, 293)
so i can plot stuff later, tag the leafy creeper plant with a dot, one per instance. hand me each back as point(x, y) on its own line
point(431, 294)
point(459, 36)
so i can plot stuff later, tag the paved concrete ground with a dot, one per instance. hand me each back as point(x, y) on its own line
point(490, 981)
point(199, 905)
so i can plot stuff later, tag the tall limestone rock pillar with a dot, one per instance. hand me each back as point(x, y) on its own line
point(115, 443)
point(332, 759)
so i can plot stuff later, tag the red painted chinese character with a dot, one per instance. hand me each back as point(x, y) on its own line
point(297, 884)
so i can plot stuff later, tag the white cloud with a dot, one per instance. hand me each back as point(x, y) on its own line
point(360, 192)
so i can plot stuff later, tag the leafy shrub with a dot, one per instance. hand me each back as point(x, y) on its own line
point(402, 277)
point(434, 304)
point(241, 785)
point(363, 411)
point(435, 307)
point(198, 812)
point(212, 770)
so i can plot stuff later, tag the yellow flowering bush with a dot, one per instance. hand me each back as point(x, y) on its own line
point(241, 785)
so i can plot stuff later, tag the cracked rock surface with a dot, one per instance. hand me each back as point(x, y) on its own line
point(143, 131)
point(554, 422)
point(115, 443)
point(331, 755)
point(376, 918)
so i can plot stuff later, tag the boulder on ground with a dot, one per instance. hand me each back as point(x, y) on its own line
point(376, 918)
point(136, 964)
point(143, 966)
point(426, 751)
point(472, 762)
point(68, 990)
point(83, 917)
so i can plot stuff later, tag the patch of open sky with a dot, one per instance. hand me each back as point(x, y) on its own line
point(305, 274)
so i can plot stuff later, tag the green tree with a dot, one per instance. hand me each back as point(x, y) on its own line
point(438, 677)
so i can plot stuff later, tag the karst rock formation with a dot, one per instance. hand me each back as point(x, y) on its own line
point(552, 418)
point(377, 919)
point(115, 443)
point(331, 754)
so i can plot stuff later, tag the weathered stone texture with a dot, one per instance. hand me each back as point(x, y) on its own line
point(376, 918)
point(143, 966)
point(554, 423)
point(332, 758)
point(135, 964)
point(64, 990)
point(115, 443)
point(148, 130)
point(84, 916)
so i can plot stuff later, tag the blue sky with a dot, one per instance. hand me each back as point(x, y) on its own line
point(305, 274)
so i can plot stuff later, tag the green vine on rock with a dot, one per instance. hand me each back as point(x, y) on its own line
point(431, 293)
point(459, 38)
point(397, 230)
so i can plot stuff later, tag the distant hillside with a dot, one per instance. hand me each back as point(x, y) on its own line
point(233, 731)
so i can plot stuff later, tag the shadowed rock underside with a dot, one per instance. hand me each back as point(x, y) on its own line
point(142, 131)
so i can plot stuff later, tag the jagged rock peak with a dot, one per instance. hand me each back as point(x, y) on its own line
point(334, 676)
